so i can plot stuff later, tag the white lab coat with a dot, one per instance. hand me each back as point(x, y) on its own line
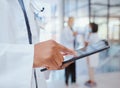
point(67, 39)
point(16, 55)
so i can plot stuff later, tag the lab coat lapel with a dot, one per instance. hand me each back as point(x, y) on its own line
point(33, 26)
point(35, 35)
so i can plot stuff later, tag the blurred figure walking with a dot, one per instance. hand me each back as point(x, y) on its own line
point(68, 39)
point(92, 60)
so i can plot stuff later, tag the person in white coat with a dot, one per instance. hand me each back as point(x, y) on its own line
point(20, 50)
point(68, 39)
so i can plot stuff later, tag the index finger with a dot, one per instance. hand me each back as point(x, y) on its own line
point(66, 50)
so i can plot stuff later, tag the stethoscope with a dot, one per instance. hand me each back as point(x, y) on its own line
point(39, 15)
point(29, 31)
point(41, 19)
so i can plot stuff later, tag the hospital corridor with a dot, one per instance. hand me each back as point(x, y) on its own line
point(59, 43)
point(107, 73)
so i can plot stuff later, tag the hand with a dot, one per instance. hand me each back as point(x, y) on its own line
point(65, 65)
point(83, 49)
point(75, 33)
point(61, 67)
point(49, 54)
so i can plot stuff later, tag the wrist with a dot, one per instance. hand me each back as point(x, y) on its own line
point(36, 62)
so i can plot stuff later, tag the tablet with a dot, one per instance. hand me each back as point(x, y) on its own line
point(89, 50)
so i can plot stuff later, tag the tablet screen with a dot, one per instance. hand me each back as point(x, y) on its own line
point(89, 50)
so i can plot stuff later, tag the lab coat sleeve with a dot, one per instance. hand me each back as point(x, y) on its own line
point(16, 61)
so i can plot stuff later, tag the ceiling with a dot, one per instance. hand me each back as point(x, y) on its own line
point(98, 8)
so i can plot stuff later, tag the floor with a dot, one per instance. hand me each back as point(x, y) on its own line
point(107, 75)
point(106, 80)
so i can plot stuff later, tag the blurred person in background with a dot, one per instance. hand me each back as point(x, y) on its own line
point(68, 39)
point(21, 54)
point(92, 60)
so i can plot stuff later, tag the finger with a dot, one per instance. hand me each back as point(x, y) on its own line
point(54, 64)
point(56, 61)
point(59, 58)
point(66, 50)
point(64, 53)
point(67, 53)
point(51, 63)
point(65, 65)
